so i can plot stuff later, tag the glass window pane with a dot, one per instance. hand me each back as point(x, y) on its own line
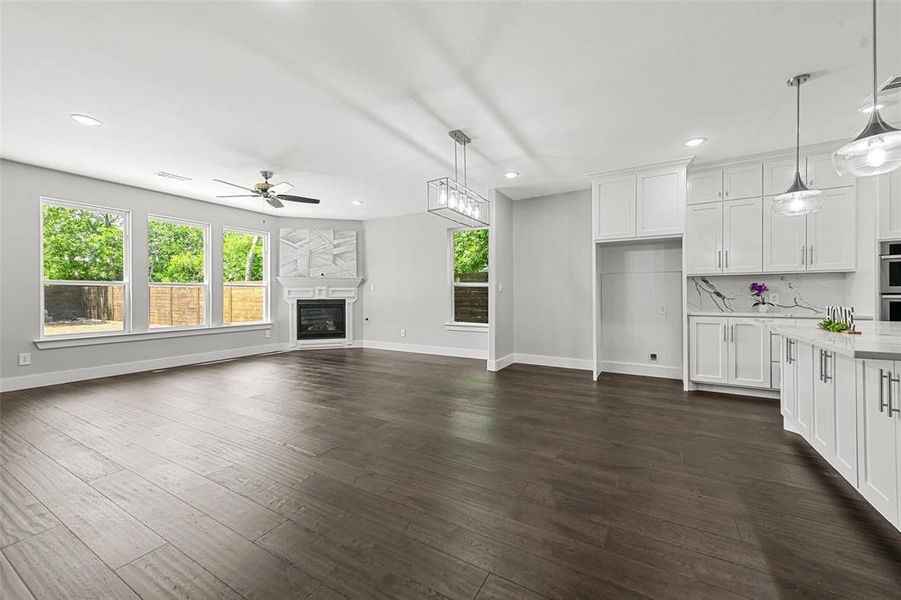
point(79, 309)
point(82, 245)
point(177, 305)
point(471, 304)
point(175, 252)
point(243, 303)
point(471, 255)
point(242, 257)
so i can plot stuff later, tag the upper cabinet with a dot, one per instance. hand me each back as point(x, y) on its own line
point(705, 186)
point(821, 174)
point(742, 181)
point(778, 175)
point(641, 203)
point(890, 205)
point(816, 171)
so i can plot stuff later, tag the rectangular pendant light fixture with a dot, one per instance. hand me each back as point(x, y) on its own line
point(453, 200)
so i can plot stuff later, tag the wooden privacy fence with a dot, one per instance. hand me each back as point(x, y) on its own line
point(177, 305)
point(243, 303)
point(95, 302)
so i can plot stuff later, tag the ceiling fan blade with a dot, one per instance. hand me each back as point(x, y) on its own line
point(299, 199)
point(273, 202)
point(240, 196)
point(280, 187)
point(246, 189)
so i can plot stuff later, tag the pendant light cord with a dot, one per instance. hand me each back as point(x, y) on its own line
point(798, 130)
point(874, 55)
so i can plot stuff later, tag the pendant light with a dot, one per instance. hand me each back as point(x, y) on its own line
point(877, 149)
point(798, 199)
point(452, 199)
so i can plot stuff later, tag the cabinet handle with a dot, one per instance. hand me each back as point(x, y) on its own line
point(891, 409)
point(820, 363)
point(826, 376)
point(810, 182)
point(719, 194)
point(791, 351)
point(810, 262)
point(882, 404)
point(732, 334)
point(727, 258)
point(803, 255)
point(727, 193)
point(719, 259)
point(725, 337)
point(788, 351)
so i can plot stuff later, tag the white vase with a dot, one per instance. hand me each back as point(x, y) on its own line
point(762, 308)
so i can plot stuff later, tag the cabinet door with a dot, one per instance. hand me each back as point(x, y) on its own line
point(821, 174)
point(614, 207)
point(890, 205)
point(705, 186)
point(788, 391)
point(877, 447)
point(744, 181)
point(742, 236)
point(804, 365)
point(832, 232)
point(822, 431)
point(704, 238)
point(784, 241)
point(749, 354)
point(778, 175)
point(661, 202)
point(707, 349)
point(844, 371)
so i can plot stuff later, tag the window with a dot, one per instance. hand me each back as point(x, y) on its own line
point(84, 269)
point(179, 272)
point(245, 276)
point(469, 282)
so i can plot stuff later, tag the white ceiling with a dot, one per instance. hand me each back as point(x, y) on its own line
point(354, 100)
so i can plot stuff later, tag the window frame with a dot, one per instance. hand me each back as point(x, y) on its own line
point(207, 273)
point(126, 282)
point(266, 274)
point(452, 324)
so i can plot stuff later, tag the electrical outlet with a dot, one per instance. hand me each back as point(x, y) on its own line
point(662, 309)
point(268, 334)
point(653, 357)
point(403, 333)
point(24, 359)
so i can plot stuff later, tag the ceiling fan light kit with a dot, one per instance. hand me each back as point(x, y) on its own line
point(449, 198)
point(798, 199)
point(877, 149)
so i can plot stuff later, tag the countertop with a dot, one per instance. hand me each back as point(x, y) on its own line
point(878, 339)
point(755, 315)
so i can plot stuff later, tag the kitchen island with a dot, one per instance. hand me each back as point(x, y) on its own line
point(842, 394)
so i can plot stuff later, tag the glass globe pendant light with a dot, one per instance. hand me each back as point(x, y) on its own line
point(877, 149)
point(798, 199)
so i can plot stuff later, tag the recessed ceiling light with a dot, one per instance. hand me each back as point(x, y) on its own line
point(511, 174)
point(85, 120)
point(870, 108)
point(357, 202)
point(697, 141)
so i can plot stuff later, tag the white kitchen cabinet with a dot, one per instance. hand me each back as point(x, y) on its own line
point(821, 174)
point(614, 207)
point(823, 241)
point(832, 232)
point(743, 181)
point(704, 238)
point(788, 387)
point(878, 446)
point(822, 430)
point(660, 202)
point(708, 349)
point(705, 186)
point(742, 236)
point(802, 353)
point(890, 205)
point(844, 372)
point(778, 175)
point(749, 354)
point(729, 351)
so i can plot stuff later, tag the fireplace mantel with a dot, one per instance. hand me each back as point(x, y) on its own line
point(296, 289)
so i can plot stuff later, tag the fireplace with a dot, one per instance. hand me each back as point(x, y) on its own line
point(321, 319)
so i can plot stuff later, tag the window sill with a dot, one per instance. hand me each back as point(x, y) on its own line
point(457, 326)
point(154, 334)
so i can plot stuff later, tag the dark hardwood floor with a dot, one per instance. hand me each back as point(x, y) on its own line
point(372, 474)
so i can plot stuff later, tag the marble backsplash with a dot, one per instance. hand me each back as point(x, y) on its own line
point(800, 293)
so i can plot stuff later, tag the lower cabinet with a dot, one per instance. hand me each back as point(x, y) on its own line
point(879, 436)
point(788, 386)
point(729, 351)
point(834, 425)
point(804, 389)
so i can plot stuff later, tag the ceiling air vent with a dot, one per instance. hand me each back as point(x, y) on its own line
point(168, 175)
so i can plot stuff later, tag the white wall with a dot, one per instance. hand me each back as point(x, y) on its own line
point(407, 263)
point(502, 294)
point(552, 279)
point(20, 311)
point(641, 308)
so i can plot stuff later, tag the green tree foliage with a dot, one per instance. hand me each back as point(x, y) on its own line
point(471, 251)
point(175, 252)
point(82, 245)
point(242, 257)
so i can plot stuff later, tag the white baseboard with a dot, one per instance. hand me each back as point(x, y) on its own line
point(737, 391)
point(426, 349)
point(504, 361)
point(562, 362)
point(8, 384)
point(647, 370)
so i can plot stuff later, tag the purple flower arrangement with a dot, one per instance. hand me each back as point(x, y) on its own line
point(758, 291)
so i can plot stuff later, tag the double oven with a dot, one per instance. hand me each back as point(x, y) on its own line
point(890, 280)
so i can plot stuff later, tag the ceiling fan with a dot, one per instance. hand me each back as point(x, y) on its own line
point(272, 193)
